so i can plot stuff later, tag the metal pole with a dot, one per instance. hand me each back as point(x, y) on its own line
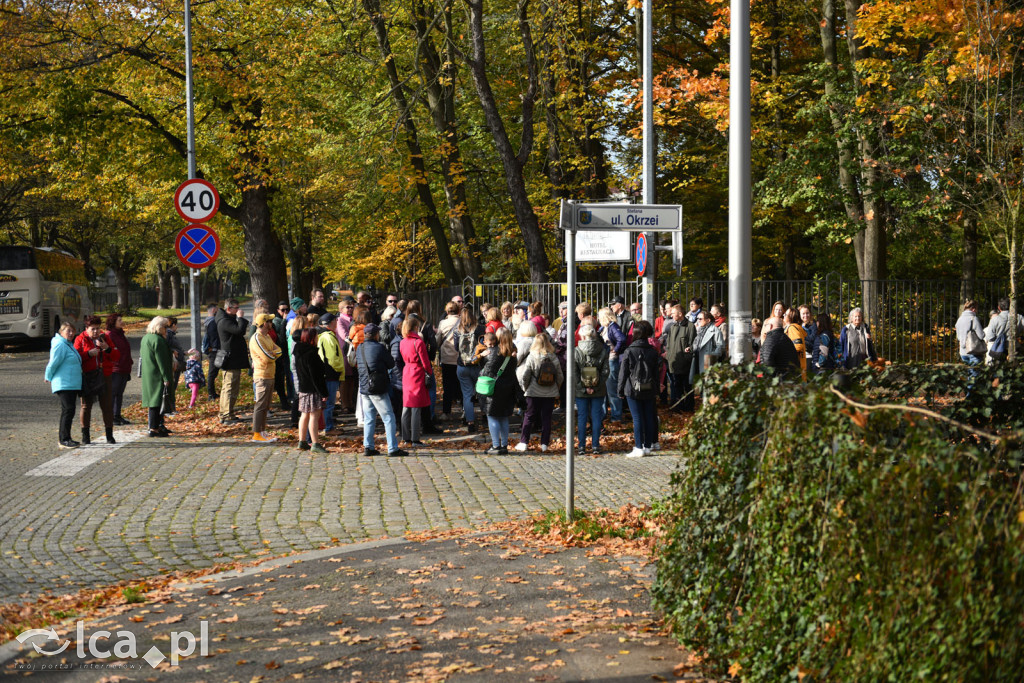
point(740, 264)
point(647, 298)
point(570, 356)
point(191, 154)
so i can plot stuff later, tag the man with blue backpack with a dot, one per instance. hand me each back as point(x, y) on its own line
point(999, 331)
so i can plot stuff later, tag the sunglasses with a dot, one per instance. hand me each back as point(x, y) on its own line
point(392, 302)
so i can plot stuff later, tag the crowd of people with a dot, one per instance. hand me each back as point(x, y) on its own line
point(494, 362)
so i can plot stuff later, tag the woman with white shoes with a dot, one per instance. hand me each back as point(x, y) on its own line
point(540, 376)
point(638, 384)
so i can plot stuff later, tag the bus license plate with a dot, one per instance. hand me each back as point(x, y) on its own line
point(8, 306)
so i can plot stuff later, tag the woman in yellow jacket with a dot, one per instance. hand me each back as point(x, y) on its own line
point(264, 353)
point(798, 335)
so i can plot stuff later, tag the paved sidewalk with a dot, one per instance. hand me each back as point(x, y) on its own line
point(471, 608)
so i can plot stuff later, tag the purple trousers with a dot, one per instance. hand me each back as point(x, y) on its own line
point(538, 410)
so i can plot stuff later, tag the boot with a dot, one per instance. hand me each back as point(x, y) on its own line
point(85, 436)
point(110, 435)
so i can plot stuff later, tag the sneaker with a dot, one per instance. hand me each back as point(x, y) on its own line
point(521, 447)
point(303, 446)
point(158, 433)
point(471, 428)
point(398, 453)
point(647, 451)
point(261, 437)
point(417, 444)
point(317, 448)
point(596, 450)
point(496, 451)
point(656, 447)
point(543, 447)
point(636, 453)
point(230, 420)
point(67, 444)
point(170, 414)
point(371, 451)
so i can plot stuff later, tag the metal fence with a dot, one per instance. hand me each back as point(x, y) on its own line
point(912, 320)
point(104, 301)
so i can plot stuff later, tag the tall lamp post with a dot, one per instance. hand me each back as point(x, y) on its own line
point(740, 262)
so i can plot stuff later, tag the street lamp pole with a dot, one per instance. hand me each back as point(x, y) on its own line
point(740, 198)
point(191, 154)
point(647, 178)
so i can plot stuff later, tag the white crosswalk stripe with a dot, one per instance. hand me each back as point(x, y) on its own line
point(77, 460)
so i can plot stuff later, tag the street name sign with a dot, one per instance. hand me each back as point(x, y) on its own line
point(626, 217)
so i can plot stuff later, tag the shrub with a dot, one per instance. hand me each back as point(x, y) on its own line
point(810, 540)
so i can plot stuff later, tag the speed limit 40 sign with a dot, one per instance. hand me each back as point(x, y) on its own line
point(196, 200)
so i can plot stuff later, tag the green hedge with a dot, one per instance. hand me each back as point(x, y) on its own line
point(813, 541)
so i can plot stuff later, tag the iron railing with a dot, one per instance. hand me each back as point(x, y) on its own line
point(911, 320)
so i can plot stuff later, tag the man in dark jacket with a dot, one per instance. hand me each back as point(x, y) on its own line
point(678, 344)
point(779, 353)
point(374, 363)
point(231, 326)
point(210, 345)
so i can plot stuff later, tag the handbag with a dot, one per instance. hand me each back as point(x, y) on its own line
point(485, 385)
point(221, 358)
point(974, 345)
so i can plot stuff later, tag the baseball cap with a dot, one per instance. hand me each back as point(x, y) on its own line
point(263, 318)
point(616, 300)
point(371, 330)
point(326, 319)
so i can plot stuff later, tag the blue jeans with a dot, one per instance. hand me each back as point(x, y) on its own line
point(592, 409)
point(498, 427)
point(645, 421)
point(612, 386)
point(374, 405)
point(332, 392)
point(467, 380)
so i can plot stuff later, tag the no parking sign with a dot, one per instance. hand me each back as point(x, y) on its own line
point(197, 246)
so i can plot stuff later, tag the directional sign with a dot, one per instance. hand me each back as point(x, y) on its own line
point(641, 254)
point(196, 200)
point(197, 246)
point(628, 217)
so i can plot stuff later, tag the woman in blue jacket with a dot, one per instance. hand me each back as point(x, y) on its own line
point(64, 373)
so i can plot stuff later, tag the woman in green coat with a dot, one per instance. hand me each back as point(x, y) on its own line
point(155, 361)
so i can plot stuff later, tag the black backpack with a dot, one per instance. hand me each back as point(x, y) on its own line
point(547, 376)
point(640, 376)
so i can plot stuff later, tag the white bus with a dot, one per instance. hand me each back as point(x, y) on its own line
point(39, 290)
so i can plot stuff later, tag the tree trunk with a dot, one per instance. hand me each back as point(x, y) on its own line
point(261, 246)
point(426, 197)
point(439, 77)
point(513, 163)
point(163, 286)
point(969, 269)
point(123, 279)
point(176, 289)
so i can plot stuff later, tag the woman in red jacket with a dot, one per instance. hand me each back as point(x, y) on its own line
point(415, 394)
point(97, 362)
point(122, 370)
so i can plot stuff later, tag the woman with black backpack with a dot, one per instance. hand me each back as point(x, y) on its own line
point(638, 384)
point(540, 376)
point(467, 336)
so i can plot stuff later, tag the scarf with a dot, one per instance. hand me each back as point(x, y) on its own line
point(719, 320)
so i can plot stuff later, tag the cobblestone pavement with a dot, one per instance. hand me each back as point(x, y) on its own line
point(147, 507)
